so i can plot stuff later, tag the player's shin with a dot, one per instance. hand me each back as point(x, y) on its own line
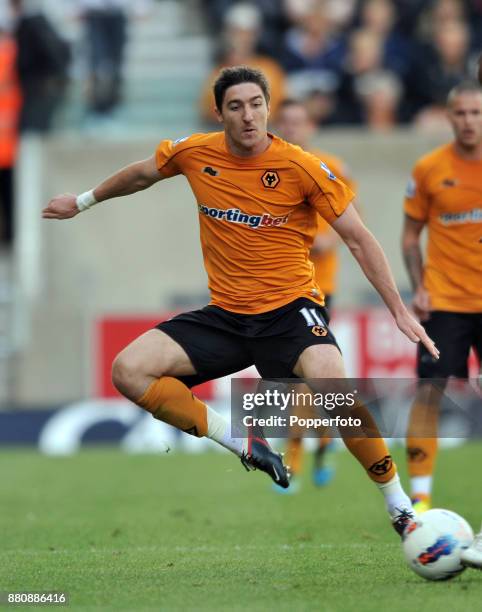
point(169, 400)
point(422, 445)
point(371, 450)
point(294, 455)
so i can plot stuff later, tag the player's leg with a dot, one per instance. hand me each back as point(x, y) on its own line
point(325, 361)
point(294, 444)
point(155, 372)
point(294, 454)
point(422, 443)
point(305, 347)
point(323, 470)
point(452, 333)
point(472, 557)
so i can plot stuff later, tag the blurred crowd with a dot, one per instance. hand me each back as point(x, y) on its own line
point(376, 63)
point(35, 63)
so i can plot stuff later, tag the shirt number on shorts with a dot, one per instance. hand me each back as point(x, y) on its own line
point(312, 317)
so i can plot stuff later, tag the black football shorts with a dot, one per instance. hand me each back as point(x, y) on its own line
point(219, 342)
point(454, 334)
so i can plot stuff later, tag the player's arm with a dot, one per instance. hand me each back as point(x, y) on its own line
point(135, 177)
point(369, 254)
point(412, 256)
point(329, 240)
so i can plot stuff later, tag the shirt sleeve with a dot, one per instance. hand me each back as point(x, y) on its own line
point(323, 190)
point(341, 170)
point(416, 203)
point(165, 159)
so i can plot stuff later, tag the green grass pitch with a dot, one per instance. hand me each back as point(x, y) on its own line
point(197, 532)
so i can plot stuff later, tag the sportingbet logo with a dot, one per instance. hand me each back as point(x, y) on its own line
point(234, 215)
point(471, 216)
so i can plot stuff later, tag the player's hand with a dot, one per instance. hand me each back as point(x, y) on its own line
point(416, 333)
point(61, 207)
point(421, 303)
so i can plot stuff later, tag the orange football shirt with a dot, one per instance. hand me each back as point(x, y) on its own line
point(446, 193)
point(257, 217)
point(326, 264)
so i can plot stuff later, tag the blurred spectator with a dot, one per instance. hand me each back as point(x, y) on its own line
point(321, 106)
point(440, 65)
point(275, 21)
point(311, 44)
point(106, 35)
point(380, 94)
point(318, 93)
point(312, 56)
point(379, 16)
point(10, 101)
point(369, 94)
point(43, 61)
point(474, 9)
point(408, 14)
point(341, 13)
point(439, 13)
point(242, 25)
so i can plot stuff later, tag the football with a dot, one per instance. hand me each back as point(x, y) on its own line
point(433, 544)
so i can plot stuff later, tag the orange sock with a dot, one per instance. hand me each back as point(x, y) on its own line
point(422, 441)
point(421, 455)
point(169, 400)
point(372, 452)
point(375, 457)
point(294, 455)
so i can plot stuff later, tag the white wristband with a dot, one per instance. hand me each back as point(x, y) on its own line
point(86, 200)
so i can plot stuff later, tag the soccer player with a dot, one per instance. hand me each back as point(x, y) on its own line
point(257, 199)
point(444, 195)
point(293, 124)
point(473, 555)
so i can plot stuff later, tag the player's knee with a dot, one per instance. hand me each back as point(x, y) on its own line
point(126, 371)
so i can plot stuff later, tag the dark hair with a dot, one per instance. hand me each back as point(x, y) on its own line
point(463, 87)
point(234, 76)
